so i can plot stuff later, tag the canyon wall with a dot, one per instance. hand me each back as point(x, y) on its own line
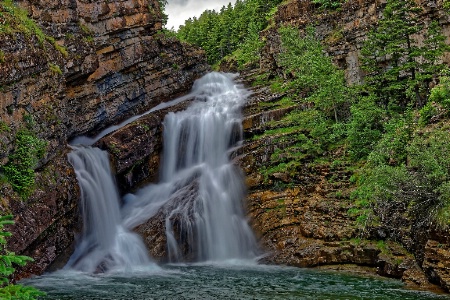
point(342, 31)
point(309, 224)
point(82, 66)
point(301, 219)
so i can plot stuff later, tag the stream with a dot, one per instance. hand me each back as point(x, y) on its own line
point(234, 280)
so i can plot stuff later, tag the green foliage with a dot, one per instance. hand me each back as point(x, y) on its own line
point(54, 68)
point(446, 5)
point(233, 28)
point(248, 51)
point(417, 184)
point(162, 7)
point(328, 4)
point(405, 178)
point(7, 261)
point(398, 69)
point(58, 47)
point(84, 28)
point(365, 127)
point(4, 127)
point(441, 93)
point(21, 163)
point(16, 19)
point(429, 160)
point(427, 113)
point(307, 134)
point(438, 101)
point(2, 57)
point(391, 148)
point(311, 71)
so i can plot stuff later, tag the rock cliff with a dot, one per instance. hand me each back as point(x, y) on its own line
point(69, 68)
point(342, 31)
point(303, 218)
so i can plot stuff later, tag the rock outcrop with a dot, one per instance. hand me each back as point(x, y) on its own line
point(342, 31)
point(310, 224)
point(304, 218)
point(72, 68)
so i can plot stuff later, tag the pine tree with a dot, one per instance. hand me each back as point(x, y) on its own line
point(7, 259)
point(222, 33)
point(398, 69)
point(389, 52)
point(311, 71)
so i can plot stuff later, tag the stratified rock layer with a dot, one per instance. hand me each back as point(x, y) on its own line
point(100, 62)
point(303, 218)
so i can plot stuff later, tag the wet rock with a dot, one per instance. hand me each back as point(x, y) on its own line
point(436, 264)
point(135, 149)
point(99, 63)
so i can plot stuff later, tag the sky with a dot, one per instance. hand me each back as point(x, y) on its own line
point(181, 10)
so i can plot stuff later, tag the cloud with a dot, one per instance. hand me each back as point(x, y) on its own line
point(181, 10)
point(179, 2)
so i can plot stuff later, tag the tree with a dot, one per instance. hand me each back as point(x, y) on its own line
point(162, 7)
point(314, 73)
point(398, 69)
point(7, 260)
point(222, 33)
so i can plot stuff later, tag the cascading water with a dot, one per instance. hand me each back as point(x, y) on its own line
point(105, 243)
point(200, 196)
point(200, 187)
point(200, 139)
point(200, 190)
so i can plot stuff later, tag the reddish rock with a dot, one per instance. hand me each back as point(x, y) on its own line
point(101, 62)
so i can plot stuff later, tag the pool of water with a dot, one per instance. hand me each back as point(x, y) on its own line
point(231, 281)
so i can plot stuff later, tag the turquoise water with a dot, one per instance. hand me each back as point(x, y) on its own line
point(223, 282)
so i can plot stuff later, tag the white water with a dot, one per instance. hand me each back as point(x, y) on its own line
point(105, 244)
point(202, 187)
point(88, 141)
point(200, 191)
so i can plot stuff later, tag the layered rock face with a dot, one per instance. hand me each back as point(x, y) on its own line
point(94, 64)
point(302, 219)
point(310, 224)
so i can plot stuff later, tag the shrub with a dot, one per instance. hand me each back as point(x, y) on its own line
point(441, 93)
point(417, 188)
point(427, 113)
point(365, 128)
point(391, 148)
point(328, 4)
point(7, 260)
point(21, 163)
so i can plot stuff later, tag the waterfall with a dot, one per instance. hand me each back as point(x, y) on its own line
point(200, 191)
point(105, 243)
point(200, 187)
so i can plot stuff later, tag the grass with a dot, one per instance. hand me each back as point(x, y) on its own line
point(14, 19)
point(54, 68)
point(4, 127)
point(17, 20)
